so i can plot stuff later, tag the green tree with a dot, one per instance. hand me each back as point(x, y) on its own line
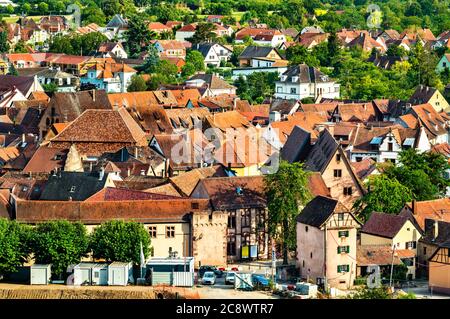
point(138, 35)
point(237, 50)
point(137, 84)
point(26, 8)
point(9, 9)
point(423, 65)
point(286, 190)
point(333, 48)
point(197, 60)
point(294, 11)
point(298, 54)
point(43, 8)
point(13, 245)
point(90, 42)
point(188, 69)
point(395, 50)
point(152, 59)
point(203, 33)
point(384, 194)
point(168, 69)
point(422, 173)
point(256, 86)
point(61, 44)
point(20, 47)
point(120, 241)
point(60, 243)
point(93, 14)
point(50, 87)
point(12, 70)
point(371, 293)
point(4, 45)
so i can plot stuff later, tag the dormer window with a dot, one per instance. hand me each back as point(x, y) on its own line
point(294, 79)
point(72, 189)
point(283, 78)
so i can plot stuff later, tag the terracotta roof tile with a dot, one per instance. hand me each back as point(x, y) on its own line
point(99, 131)
point(46, 159)
point(384, 225)
point(123, 194)
point(376, 255)
point(99, 212)
point(166, 189)
point(186, 182)
point(438, 209)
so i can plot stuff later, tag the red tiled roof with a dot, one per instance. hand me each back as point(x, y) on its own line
point(46, 159)
point(438, 209)
point(123, 194)
point(99, 212)
point(384, 225)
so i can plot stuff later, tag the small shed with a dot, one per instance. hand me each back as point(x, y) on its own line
point(82, 274)
point(100, 274)
point(40, 274)
point(172, 271)
point(120, 273)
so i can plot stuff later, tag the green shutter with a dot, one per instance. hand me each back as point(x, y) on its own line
point(339, 268)
point(339, 249)
point(343, 233)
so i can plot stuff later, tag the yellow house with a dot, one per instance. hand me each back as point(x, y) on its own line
point(439, 270)
point(3, 67)
point(425, 94)
point(393, 231)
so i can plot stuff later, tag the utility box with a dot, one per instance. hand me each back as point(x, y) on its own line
point(119, 273)
point(40, 274)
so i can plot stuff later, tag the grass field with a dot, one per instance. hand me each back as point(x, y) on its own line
point(12, 19)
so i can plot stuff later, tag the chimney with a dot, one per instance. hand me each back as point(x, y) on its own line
point(23, 138)
point(129, 172)
point(435, 230)
point(234, 103)
point(116, 106)
point(101, 174)
point(274, 116)
point(414, 207)
point(136, 152)
point(93, 95)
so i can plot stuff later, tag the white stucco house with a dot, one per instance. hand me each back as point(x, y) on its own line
point(302, 81)
point(213, 53)
point(111, 77)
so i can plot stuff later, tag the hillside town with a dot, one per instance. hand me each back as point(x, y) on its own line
point(187, 146)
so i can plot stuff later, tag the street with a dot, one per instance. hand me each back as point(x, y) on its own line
point(222, 291)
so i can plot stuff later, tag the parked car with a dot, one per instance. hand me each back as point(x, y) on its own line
point(260, 282)
point(230, 278)
point(203, 269)
point(209, 278)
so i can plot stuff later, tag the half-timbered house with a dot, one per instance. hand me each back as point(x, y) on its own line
point(439, 269)
point(326, 243)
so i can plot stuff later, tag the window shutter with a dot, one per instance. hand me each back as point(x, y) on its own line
point(338, 268)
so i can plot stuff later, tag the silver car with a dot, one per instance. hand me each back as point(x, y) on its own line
point(230, 278)
point(209, 278)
